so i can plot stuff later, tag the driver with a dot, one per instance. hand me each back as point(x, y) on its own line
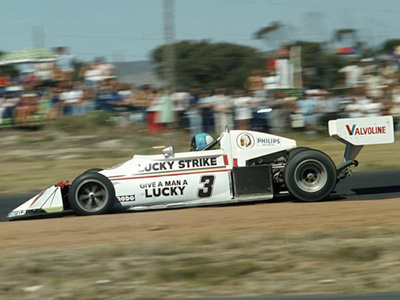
point(200, 141)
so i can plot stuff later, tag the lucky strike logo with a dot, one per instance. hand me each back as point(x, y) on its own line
point(369, 130)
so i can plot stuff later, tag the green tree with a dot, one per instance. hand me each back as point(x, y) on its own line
point(388, 45)
point(208, 65)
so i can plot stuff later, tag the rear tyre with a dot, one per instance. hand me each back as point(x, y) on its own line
point(91, 194)
point(310, 175)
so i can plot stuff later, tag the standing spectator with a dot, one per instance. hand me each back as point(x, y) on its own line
point(373, 85)
point(71, 99)
point(330, 108)
point(153, 119)
point(373, 108)
point(271, 81)
point(26, 109)
point(388, 71)
point(193, 113)
point(254, 82)
point(355, 109)
point(92, 74)
point(241, 103)
point(222, 110)
point(107, 70)
point(181, 101)
point(307, 106)
point(205, 105)
point(353, 74)
point(64, 62)
point(167, 110)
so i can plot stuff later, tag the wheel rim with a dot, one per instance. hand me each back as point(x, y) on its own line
point(92, 195)
point(311, 175)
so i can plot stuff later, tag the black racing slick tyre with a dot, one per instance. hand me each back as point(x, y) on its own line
point(91, 193)
point(310, 175)
point(96, 170)
point(294, 151)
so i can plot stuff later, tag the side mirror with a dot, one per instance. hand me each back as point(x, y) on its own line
point(168, 152)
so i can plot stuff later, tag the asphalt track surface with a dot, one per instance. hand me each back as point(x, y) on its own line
point(369, 185)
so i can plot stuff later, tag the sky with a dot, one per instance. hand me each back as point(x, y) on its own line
point(129, 30)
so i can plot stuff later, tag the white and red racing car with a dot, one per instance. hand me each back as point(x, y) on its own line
point(238, 166)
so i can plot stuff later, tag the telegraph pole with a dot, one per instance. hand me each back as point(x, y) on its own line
point(168, 53)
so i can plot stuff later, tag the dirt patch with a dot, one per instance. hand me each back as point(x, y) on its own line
point(208, 221)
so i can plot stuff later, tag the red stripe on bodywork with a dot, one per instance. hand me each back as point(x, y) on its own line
point(177, 174)
point(226, 162)
point(235, 162)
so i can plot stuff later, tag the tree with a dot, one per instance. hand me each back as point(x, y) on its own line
point(389, 45)
point(208, 65)
point(274, 34)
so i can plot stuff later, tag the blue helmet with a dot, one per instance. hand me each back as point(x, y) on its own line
point(200, 141)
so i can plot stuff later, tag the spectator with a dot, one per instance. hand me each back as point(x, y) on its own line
point(254, 82)
point(26, 109)
point(193, 113)
point(388, 71)
point(308, 107)
point(330, 109)
point(153, 119)
point(167, 110)
point(181, 101)
point(373, 108)
point(205, 104)
point(355, 109)
point(92, 74)
point(222, 110)
point(243, 113)
point(373, 85)
point(353, 74)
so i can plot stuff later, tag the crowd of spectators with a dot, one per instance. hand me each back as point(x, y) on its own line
point(370, 88)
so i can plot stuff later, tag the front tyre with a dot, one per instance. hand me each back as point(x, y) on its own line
point(310, 175)
point(91, 194)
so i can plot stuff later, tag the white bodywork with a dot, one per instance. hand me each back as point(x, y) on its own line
point(182, 179)
point(190, 178)
point(212, 176)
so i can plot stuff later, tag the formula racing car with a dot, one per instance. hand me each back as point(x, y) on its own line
point(238, 166)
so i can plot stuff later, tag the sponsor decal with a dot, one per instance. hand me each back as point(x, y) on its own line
point(165, 188)
point(126, 198)
point(180, 164)
point(268, 141)
point(17, 213)
point(369, 130)
point(245, 140)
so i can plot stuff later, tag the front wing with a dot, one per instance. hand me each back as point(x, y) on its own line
point(48, 202)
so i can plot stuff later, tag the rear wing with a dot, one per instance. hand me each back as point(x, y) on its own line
point(357, 132)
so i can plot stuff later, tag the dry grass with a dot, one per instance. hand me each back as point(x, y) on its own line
point(351, 261)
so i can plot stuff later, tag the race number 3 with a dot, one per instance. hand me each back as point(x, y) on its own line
point(207, 188)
